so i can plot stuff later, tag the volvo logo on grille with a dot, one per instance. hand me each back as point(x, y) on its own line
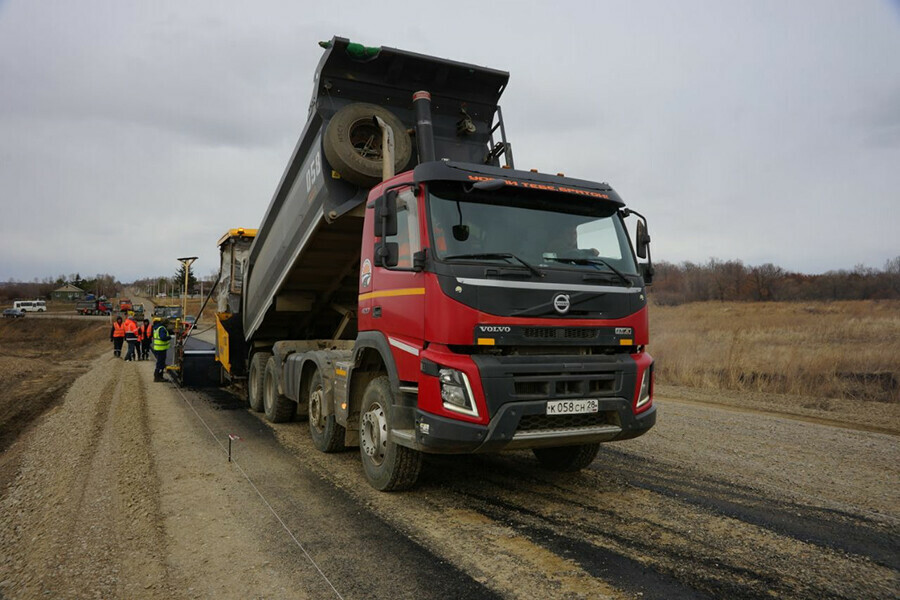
point(494, 329)
point(561, 303)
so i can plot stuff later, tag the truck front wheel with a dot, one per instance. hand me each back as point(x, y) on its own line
point(387, 465)
point(279, 408)
point(327, 435)
point(255, 380)
point(567, 459)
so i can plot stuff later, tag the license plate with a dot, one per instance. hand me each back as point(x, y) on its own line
point(572, 407)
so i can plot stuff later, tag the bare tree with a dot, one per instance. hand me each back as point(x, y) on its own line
point(892, 275)
point(764, 278)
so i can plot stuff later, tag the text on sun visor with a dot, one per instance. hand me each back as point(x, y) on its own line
point(543, 186)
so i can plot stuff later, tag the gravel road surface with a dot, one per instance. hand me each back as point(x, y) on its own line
point(124, 490)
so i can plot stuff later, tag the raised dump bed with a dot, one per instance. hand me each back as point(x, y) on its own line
point(304, 262)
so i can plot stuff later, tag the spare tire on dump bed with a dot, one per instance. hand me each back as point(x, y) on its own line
point(352, 143)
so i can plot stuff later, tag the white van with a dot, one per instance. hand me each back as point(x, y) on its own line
point(31, 305)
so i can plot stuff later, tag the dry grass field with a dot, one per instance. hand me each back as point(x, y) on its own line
point(846, 350)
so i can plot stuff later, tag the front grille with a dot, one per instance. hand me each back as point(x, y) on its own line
point(560, 333)
point(545, 422)
point(532, 388)
point(535, 387)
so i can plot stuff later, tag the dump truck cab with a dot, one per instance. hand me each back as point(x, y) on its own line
point(503, 301)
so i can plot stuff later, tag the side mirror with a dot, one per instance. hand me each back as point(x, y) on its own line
point(647, 273)
point(460, 233)
point(386, 214)
point(642, 240)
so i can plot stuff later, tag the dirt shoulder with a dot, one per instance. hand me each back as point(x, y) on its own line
point(863, 415)
point(84, 506)
point(39, 360)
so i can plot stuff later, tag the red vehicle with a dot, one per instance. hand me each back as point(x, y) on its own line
point(125, 305)
point(93, 307)
point(461, 306)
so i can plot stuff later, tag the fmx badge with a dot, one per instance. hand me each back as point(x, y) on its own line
point(561, 303)
point(623, 330)
point(365, 274)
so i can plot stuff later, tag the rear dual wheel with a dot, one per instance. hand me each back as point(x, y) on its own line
point(256, 380)
point(327, 435)
point(278, 407)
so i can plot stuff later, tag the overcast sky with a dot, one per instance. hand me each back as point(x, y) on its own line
point(132, 133)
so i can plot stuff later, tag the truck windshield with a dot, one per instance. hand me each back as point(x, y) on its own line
point(486, 227)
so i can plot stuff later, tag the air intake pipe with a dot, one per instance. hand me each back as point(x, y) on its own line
point(424, 128)
point(387, 148)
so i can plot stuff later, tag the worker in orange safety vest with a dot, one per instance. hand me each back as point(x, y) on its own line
point(117, 336)
point(131, 336)
point(145, 334)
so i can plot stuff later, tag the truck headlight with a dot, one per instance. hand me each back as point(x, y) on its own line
point(456, 393)
point(644, 394)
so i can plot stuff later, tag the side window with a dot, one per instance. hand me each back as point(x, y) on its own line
point(407, 237)
point(237, 278)
point(228, 262)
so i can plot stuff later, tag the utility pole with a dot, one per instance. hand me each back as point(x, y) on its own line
point(186, 262)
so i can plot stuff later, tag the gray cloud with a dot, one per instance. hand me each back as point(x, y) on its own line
point(766, 132)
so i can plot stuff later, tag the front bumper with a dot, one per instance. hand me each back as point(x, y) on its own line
point(525, 425)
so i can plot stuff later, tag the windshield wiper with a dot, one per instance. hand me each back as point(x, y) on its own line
point(590, 261)
point(498, 255)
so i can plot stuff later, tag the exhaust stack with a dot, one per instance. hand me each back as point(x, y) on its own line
point(424, 128)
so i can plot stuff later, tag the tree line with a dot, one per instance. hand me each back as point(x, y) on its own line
point(102, 284)
point(722, 280)
point(732, 280)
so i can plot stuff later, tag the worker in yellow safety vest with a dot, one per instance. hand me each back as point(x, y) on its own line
point(161, 343)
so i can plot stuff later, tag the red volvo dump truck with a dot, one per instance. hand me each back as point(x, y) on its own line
point(409, 291)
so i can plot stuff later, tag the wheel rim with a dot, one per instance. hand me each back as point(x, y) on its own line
point(365, 137)
point(315, 410)
point(374, 434)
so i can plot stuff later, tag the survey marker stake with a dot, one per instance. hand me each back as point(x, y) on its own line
point(231, 438)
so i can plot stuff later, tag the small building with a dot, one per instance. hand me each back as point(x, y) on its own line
point(67, 293)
